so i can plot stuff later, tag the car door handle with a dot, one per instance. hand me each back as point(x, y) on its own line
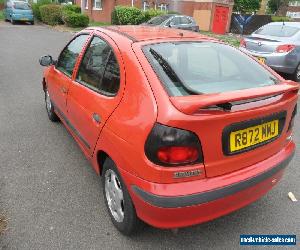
point(64, 90)
point(96, 118)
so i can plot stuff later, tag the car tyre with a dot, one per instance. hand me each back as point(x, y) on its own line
point(296, 76)
point(50, 108)
point(13, 22)
point(32, 22)
point(117, 200)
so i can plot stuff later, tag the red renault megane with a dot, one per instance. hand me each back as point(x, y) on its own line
point(181, 127)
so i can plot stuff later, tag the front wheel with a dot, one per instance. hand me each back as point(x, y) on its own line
point(118, 201)
point(296, 76)
point(13, 22)
point(50, 108)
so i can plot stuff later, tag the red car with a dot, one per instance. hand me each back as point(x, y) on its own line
point(181, 127)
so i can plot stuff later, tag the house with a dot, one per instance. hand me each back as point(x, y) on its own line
point(209, 14)
point(292, 9)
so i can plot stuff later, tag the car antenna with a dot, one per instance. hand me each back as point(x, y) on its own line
point(181, 34)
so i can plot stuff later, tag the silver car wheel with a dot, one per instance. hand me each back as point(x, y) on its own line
point(298, 73)
point(114, 195)
point(48, 102)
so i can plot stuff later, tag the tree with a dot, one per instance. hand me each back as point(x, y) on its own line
point(246, 6)
point(274, 5)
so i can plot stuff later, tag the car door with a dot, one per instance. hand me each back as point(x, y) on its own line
point(96, 90)
point(60, 75)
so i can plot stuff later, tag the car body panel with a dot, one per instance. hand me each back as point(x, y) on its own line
point(10, 13)
point(142, 101)
point(265, 46)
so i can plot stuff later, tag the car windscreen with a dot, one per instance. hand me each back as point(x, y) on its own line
point(187, 68)
point(277, 30)
point(21, 6)
point(157, 20)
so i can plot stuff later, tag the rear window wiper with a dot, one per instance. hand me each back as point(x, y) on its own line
point(171, 73)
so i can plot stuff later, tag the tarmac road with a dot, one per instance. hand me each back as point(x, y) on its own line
point(53, 198)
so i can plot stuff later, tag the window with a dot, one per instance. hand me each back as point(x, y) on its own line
point(176, 20)
point(187, 68)
point(111, 79)
point(185, 20)
point(69, 55)
point(146, 5)
point(97, 4)
point(86, 4)
point(158, 20)
point(163, 7)
point(294, 3)
point(99, 69)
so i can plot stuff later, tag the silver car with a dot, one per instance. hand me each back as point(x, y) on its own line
point(174, 21)
point(278, 45)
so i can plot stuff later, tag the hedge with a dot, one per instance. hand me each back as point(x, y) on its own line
point(122, 15)
point(51, 14)
point(73, 8)
point(73, 19)
point(152, 13)
point(281, 19)
point(36, 8)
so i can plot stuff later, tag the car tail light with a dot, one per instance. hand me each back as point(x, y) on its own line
point(285, 48)
point(291, 125)
point(168, 146)
point(243, 43)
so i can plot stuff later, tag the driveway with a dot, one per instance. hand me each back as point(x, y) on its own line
point(53, 198)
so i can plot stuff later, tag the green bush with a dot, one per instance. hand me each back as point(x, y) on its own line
point(36, 8)
point(152, 13)
point(73, 8)
point(73, 19)
point(51, 14)
point(122, 15)
point(281, 19)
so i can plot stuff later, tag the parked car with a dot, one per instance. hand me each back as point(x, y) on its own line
point(174, 21)
point(18, 11)
point(181, 128)
point(277, 45)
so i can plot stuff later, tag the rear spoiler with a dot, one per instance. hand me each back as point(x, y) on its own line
point(193, 103)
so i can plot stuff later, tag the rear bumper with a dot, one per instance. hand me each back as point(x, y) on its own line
point(280, 62)
point(188, 203)
point(20, 17)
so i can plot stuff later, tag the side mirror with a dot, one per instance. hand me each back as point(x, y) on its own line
point(46, 60)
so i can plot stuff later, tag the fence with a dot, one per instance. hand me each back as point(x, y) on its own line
point(246, 24)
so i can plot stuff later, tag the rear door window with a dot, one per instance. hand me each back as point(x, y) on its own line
point(99, 69)
point(187, 68)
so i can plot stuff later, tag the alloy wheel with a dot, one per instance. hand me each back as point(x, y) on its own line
point(114, 195)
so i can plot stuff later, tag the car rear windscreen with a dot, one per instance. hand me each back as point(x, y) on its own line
point(21, 6)
point(187, 68)
point(158, 20)
point(277, 30)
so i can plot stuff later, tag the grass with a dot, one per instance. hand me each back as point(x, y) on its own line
point(230, 39)
point(3, 224)
point(1, 15)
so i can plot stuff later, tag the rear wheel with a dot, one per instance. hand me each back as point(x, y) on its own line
point(118, 201)
point(50, 108)
point(296, 76)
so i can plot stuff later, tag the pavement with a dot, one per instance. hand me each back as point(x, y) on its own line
point(51, 196)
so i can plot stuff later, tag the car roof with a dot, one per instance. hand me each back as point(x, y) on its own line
point(292, 24)
point(138, 33)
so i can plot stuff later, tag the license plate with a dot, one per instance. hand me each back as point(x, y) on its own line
point(24, 19)
point(261, 60)
point(251, 136)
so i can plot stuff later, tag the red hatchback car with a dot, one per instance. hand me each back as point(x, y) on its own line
point(181, 127)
